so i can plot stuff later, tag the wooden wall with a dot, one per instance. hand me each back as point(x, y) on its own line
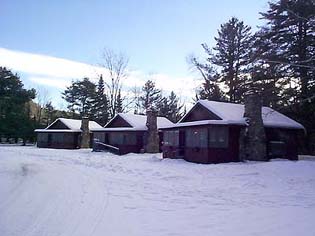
point(118, 122)
point(231, 153)
point(58, 140)
point(198, 113)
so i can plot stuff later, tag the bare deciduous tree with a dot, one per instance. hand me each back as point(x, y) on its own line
point(116, 65)
point(42, 99)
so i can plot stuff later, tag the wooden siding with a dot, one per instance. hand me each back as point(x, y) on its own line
point(124, 148)
point(231, 153)
point(118, 122)
point(104, 137)
point(289, 139)
point(199, 112)
point(58, 125)
point(58, 140)
point(205, 154)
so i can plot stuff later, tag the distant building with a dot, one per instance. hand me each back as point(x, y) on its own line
point(127, 133)
point(210, 133)
point(63, 133)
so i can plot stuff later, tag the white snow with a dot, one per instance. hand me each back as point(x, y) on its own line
point(138, 122)
point(76, 124)
point(209, 122)
point(232, 113)
point(77, 192)
point(73, 124)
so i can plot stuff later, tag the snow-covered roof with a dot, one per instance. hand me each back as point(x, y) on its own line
point(232, 113)
point(209, 122)
point(138, 122)
point(57, 131)
point(73, 125)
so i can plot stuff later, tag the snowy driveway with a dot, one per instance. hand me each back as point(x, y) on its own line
point(77, 192)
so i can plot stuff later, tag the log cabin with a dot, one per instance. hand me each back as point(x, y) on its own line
point(210, 133)
point(64, 133)
point(126, 133)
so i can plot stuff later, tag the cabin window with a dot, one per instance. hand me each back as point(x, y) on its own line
point(42, 137)
point(218, 137)
point(171, 138)
point(99, 136)
point(197, 138)
point(57, 138)
point(123, 139)
point(130, 139)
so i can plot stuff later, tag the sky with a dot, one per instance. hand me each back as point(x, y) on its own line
point(51, 43)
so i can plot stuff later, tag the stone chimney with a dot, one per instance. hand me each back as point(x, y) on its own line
point(152, 145)
point(85, 135)
point(253, 137)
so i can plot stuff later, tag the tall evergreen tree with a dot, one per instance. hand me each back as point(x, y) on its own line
point(119, 103)
point(151, 96)
point(100, 109)
point(15, 120)
point(232, 54)
point(289, 31)
point(170, 107)
point(210, 90)
point(80, 96)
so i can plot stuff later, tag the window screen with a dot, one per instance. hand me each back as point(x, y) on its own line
point(218, 137)
point(197, 137)
point(121, 138)
point(171, 138)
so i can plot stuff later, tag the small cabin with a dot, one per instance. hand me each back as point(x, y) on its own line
point(127, 133)
point(210, 133)
point(63, 133)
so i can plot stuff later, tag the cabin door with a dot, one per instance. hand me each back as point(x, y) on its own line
point(106, 139)
point(181, 144)
point(49, 140)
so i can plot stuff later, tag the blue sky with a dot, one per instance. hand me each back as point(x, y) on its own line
point(156, 35)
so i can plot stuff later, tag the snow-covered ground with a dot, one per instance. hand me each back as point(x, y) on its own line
point(77, 192)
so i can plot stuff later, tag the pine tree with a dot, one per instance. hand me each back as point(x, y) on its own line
point(119, 103)
point(100, 109)
point(151, 96)
point(210, 90)
point(289, 34)
point(15, 120)
point(170, 107)
point(232, 54)
point(80, 96)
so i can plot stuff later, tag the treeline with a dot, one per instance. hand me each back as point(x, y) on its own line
point(278, 60)
point(15, 110)
point(101, 101)
point(19, 114)
point(93, 100)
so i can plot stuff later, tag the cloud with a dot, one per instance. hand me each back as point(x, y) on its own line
point(56, 82)
point(46, 65)
point(58, 72)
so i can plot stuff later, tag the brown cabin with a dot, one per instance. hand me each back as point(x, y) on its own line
point(210, 133)
point(63, 133)
point(126, 133)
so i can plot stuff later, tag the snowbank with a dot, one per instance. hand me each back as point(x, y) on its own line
point(77, 192)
